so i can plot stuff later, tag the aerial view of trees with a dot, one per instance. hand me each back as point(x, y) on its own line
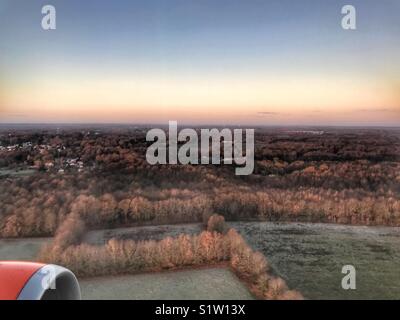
point(64, 183)
point(340, 176)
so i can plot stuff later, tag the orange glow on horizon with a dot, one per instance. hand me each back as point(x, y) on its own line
point(288, 99)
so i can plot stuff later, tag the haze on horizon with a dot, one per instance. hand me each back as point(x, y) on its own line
point(218, 62)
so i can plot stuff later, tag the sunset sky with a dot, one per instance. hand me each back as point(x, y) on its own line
point(260, 62)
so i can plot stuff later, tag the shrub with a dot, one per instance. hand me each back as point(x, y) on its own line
point(216, 223)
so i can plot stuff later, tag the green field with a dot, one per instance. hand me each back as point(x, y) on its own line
point(311, 256)
point(17, 173)
point(100, 237)
point(203, 284)
point(21, 249)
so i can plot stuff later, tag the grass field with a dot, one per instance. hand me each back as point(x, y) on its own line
point(100, 237)
point(20, 249)
point(205, 284)
point(17, 173)
point(311, 256)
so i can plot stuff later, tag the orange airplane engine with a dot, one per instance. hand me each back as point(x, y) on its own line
point(36, 281)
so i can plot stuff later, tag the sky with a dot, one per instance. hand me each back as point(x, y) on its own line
point(261, 62)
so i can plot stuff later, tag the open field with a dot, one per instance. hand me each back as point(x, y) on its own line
point(100, 237)
point(310, 257)
point(21, 249)
point(207, 284)
point(17, 173)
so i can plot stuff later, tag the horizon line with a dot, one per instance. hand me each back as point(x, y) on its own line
point(180, 124)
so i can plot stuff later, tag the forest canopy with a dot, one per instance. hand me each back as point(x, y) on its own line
point(349, 176)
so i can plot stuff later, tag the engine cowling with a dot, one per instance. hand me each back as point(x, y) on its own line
point(37, 281)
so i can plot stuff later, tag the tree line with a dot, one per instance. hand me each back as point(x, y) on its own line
point(129, 257)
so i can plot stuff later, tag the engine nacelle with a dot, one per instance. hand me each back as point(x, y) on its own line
point(37, 281)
